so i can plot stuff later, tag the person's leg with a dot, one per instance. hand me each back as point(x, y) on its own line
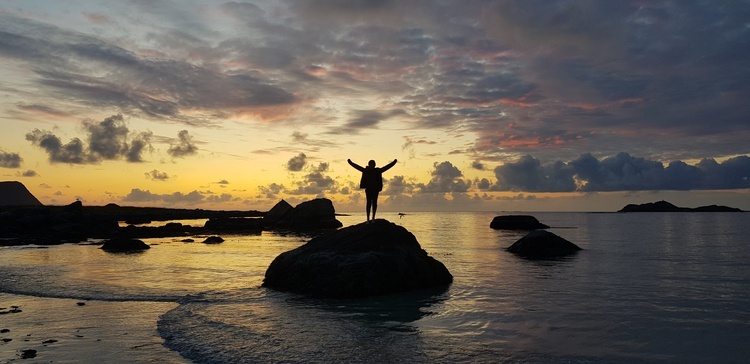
point(374, 204)
point(368, 196)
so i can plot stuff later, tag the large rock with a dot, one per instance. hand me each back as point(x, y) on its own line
point(124, 245)
point(542, 244)
point(14, 193)
point(517, 222)
point(310, 215)
point(276, 213)
point(362, 260)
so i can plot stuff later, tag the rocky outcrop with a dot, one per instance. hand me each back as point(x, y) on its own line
point(310, 215)
point(276, 213)
point(517, 222)
point(14, 193)
point(542, 244)
point(664, 206)
point(368, 259)
point(124, 245)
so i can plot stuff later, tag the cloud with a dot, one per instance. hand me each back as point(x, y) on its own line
point(10, 160)
point(73, 152)
point(296, 163)
point(138, 195)
point(107, 140)
point(184, 147)
point(91, 72)
point(445, 178)
point(29, 173)
point(621, 172)
point(478, 165)
point(156, 175)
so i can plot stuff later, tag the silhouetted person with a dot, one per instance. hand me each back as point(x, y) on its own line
point(372, 182)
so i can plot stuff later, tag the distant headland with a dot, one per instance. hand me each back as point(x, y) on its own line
point(664, 206)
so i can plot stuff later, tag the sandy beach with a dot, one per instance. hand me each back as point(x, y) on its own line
point(52, 330)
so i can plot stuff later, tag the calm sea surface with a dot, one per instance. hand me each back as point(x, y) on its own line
point(648, 287)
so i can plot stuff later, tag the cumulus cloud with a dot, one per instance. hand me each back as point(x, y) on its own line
point(73, 152)
point(184, 146)
point(296, 163)
point(10, 160)
point(156, 175)
point(621, 172)
point(107, 140)
point(138, 195)
point(29, 173)
point(446, 178)
point(478, 165)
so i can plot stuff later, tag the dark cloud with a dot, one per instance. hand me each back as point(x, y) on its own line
point(366, 119)
point(107, 140)
point(478, 165)
point(156, 175)
point(296, 163)
point(184, 146)
point(29, 173)
point(446, 178)
point(621, 172)
point(10, 160)
point(138, 195)
point(73, 152)
point(91, 72)
point(399, 185)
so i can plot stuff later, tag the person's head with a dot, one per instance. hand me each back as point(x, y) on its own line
point(371, 163)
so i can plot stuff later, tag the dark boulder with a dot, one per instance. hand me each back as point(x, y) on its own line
point(310, 215)
point(276, 213)
point(517, 222)
point(367, 259)
point(213, 240)
point(122, 245)
point(541, 244)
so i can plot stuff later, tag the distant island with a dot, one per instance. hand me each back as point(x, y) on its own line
point(664, 206)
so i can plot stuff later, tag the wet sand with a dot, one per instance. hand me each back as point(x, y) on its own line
point(36, 330)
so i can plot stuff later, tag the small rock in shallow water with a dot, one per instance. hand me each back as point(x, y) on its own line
point(28, 354)
point(542, 244)
point(213, 240)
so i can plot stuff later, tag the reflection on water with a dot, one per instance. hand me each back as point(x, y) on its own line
point(646, 287)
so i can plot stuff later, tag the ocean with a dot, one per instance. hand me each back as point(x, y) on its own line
point(647, 288)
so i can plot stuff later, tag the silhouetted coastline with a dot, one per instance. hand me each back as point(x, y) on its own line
point(74, 223)
point(664, 206)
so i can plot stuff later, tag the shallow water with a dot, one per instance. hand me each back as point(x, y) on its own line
point(648, 287)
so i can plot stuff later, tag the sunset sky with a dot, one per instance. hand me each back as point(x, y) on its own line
point(487, 105)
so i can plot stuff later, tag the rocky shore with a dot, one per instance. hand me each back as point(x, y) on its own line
point(50, 225)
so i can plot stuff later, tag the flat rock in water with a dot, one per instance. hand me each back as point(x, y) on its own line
point(119, 245)
point(543, 244)
point(368, 259)
point(213, 240)
point(517, 222)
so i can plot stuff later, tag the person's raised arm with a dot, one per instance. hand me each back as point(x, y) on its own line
point(355, 165)
point(389, 165)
